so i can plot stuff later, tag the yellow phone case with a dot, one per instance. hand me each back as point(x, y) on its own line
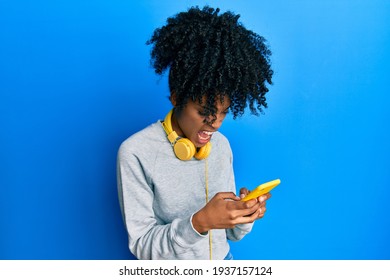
point(262, 189)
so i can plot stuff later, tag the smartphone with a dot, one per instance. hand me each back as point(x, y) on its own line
point(261, 189)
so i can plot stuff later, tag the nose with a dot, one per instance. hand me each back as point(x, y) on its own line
point(215, 121)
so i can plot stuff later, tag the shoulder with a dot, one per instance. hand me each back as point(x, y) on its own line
point(221, 149)
point(220, 141)
point(144, 141)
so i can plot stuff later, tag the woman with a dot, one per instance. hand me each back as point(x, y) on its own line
point(175, 177)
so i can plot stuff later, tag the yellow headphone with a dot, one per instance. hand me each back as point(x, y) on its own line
point(183, 147)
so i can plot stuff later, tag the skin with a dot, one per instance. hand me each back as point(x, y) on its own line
point(224, 210)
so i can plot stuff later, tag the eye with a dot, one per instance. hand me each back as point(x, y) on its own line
point(202, 113)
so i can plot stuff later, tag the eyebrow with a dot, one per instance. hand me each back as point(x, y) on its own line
point(200, 106)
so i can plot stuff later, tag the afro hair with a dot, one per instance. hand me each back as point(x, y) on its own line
point(213, 55)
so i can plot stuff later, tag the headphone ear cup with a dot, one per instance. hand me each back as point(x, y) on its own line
point(203, 152)
point(184, 149)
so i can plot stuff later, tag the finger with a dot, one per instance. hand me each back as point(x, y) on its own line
point(253, 216)
point(261, 216)
point(250, 207)
point(263, 203)
point(261, 212)
point(264, 197)
point(257, 214)
point(227, 195)
point(244, 191)
point(250, 204)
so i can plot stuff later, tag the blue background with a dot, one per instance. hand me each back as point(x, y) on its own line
point(75, 81)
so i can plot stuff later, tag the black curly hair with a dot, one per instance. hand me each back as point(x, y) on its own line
point(211, 54)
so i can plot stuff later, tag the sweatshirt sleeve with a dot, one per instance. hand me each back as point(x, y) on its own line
point(147, 238)
point(239, 231)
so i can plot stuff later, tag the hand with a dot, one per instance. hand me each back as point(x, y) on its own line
point(261, 200)
point(225, 210)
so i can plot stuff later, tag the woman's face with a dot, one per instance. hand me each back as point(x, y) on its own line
point(191, 124)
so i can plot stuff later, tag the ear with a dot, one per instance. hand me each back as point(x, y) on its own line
point(172, 98)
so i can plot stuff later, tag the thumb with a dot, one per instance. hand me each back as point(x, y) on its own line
point(227, 195)
point(243, 192)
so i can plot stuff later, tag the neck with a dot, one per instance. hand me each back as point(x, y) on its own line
point(175, 125)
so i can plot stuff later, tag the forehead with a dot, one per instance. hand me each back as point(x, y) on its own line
point(220, 105)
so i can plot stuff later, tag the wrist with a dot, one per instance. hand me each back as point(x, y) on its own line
point(199, 223)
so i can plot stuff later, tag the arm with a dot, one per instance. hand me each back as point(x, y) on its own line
point(226, 211)
point(148, 238)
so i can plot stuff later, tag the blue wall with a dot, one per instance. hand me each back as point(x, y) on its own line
point(75, 81)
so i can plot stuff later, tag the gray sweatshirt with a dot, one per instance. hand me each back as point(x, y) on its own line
point(159, 194)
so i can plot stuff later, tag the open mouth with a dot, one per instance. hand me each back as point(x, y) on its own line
point(204, 136)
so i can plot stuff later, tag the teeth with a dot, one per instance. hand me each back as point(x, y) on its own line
point(205, 135)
